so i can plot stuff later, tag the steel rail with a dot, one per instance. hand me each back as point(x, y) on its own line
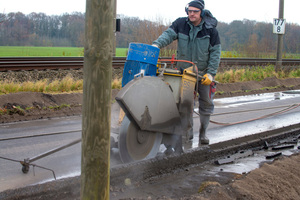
point(56, 63)
point(48, 63)
point(39, 135)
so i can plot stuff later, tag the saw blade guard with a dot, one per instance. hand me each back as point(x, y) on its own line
point(149, 103)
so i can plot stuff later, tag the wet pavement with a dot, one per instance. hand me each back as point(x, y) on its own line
point(216, 134)
point(246, 108)
point(247, 164)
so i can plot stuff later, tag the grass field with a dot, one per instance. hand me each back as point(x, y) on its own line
point(28, 51)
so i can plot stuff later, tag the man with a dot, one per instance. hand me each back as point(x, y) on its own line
point(199, 42)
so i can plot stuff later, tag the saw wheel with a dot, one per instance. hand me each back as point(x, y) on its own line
point(135, 144)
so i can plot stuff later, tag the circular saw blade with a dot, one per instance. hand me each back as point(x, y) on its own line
point(135, 144)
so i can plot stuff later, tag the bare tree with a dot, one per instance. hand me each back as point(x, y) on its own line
point(149, 31)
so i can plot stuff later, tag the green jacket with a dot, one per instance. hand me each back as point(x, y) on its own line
point(200, 44)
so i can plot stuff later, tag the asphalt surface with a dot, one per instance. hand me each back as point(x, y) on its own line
point(66, 163)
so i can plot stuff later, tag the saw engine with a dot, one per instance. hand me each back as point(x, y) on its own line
point(157, 102)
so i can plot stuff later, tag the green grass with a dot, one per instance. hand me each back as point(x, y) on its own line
point(235, 54)
point(29, 51)
point(121, 52)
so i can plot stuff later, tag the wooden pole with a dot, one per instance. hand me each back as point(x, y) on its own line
point(280, 38)
point(115, 18)
point(96, 108)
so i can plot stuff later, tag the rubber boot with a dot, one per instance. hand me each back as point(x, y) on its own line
point(178, 146)
point(190, 126)
point(204, 120)
point(190, 134)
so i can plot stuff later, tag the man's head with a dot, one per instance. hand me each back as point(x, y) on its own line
point(197, 4)
point(193, 10)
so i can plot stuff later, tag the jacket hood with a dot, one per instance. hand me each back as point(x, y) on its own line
point(209, 19)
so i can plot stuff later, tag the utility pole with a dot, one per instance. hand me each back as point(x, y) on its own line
point(115, 29)
point(280, 39)
point(96, 108)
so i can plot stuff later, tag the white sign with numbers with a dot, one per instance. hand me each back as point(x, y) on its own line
point(279, 26)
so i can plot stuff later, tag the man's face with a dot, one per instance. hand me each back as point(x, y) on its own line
point(194, 15)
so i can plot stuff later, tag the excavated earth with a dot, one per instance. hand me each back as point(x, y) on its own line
point(30, 106)
point(277, 180)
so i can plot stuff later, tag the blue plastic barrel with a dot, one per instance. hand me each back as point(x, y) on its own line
point(141, 58)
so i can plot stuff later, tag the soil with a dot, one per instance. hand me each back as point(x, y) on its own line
point(277, 180)
point(24, 106)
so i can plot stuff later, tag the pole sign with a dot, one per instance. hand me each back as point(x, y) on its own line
point(279, 26)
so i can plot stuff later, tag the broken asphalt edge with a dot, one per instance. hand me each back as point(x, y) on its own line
point(160, 165)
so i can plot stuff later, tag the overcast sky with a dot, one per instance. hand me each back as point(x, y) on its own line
point(167, 10)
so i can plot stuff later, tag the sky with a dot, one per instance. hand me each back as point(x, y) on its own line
point(166, 10)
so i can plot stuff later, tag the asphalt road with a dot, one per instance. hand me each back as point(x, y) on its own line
point(66, 163)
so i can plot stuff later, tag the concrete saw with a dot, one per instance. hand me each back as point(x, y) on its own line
point(136, 144)
point(157, 103)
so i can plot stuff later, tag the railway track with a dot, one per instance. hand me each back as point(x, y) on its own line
point(55, 63)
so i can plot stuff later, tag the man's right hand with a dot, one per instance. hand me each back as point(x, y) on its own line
point(207, 79)
point(155, 45)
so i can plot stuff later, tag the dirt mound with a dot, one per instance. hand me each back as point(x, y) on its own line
point(24, 106)
point(34, 105)
point(253, 87)
point(278, 180)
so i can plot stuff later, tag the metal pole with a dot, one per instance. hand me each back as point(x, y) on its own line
point(280, 39)
point(115, 32)
point(96, 108)
point(52, 151)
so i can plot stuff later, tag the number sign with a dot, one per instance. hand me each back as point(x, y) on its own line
point(279, 26)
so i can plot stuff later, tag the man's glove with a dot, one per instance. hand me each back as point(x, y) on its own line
point(207, 79)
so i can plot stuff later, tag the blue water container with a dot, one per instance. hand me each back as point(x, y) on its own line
point(141, 58)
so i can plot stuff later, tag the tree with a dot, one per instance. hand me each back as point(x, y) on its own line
point(291, 38)
point(38, 29)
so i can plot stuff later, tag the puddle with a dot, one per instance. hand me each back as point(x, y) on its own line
point(247, 164)
point(252, 99)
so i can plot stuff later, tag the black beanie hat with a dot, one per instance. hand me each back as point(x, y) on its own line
point(197, 4)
